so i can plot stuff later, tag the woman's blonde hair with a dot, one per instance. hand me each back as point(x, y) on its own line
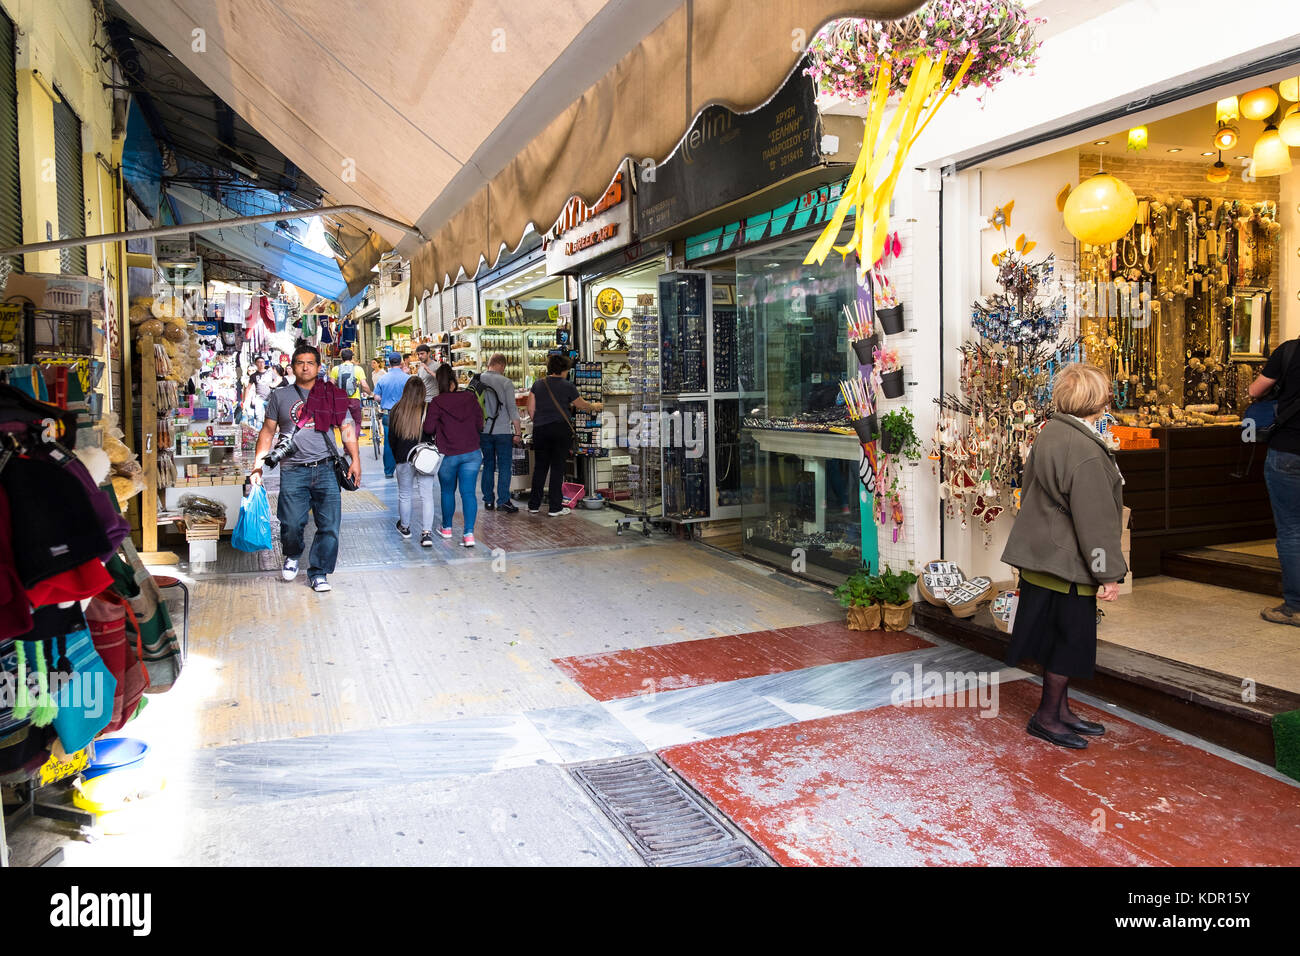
point(1080, 389)
point(407, 417)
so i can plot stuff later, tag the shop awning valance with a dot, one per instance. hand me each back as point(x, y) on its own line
point(472, 118)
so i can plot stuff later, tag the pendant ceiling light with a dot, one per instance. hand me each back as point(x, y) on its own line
point(1290, 89)
point(1272, 157)
point(1219, 172)
point(1226, 137)
point(1137, 138)
point(1258, 104)
point(1225, 111)
point(1289, 128)
point(1101, 210)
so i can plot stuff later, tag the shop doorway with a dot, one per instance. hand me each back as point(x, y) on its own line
point(1183, 312)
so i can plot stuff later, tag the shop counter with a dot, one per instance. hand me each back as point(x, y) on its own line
point(1187, 493)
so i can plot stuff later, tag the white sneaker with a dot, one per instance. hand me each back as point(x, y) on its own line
point(290, 569)
point(320, 585)
point(558, 514)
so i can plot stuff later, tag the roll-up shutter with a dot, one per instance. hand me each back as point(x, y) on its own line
point(67, 169)
point(466, 297)
point(11, 201)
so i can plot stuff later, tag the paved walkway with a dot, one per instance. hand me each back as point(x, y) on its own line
point(425, 711)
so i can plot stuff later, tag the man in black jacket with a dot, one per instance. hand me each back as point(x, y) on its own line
point(1282, 474)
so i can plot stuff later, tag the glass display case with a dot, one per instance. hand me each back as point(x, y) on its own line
point(798, 459)
point(699, 418)
point(684, 333)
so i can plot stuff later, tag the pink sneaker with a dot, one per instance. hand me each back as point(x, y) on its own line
point(468, 541)
point(445, 532)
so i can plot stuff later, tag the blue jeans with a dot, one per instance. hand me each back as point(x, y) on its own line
point(460, 471)
point(1282, 475)
point(498, 450)
point(408, 481)
point(390, 463)
point(315, 488)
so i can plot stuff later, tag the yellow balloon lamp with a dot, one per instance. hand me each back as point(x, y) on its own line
point(1289, 128)
point(1258, 104)
point(1271, 155)
point(1100, 210)
point(1289, 89)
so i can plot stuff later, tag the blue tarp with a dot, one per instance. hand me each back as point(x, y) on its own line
point(141, 161)
point(265, 245)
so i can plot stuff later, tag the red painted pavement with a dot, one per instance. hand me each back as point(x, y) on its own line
point(932, 786)
point(715, 659)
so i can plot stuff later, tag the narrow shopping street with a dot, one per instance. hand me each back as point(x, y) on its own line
point(882, 422)
point(433, 707)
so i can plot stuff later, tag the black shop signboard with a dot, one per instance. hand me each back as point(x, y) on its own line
point(727, 156)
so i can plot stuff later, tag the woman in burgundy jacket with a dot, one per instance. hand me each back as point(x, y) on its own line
point(455, 419)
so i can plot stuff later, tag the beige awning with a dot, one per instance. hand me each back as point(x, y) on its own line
point(473, 118)
point(706, 52)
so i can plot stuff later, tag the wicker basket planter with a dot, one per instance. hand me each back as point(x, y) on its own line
point(864, 618)
point(897, 617)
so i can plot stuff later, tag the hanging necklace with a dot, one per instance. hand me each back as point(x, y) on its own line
point(1128, 245)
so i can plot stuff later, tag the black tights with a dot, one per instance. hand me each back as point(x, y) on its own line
point(1054, 708)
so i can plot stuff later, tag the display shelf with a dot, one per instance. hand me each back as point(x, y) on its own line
point(525, 348)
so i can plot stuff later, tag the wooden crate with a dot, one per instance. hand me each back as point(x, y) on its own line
point(203, 529)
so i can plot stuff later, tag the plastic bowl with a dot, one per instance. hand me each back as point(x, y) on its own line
point(594, 502)
point(114, 753)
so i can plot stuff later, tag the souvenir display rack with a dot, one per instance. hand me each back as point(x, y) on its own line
point(983, 435)
point(644, 468)
point(587, 426)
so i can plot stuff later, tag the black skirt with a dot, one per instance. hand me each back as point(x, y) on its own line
point(1057, 630)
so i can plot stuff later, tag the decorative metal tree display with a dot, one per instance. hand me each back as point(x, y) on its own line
point(984, 434)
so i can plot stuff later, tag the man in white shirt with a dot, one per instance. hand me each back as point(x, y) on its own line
point(427, 368)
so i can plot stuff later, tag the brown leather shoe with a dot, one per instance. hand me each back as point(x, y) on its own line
point(1282, 614)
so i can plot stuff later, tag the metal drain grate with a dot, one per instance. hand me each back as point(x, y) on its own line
point(666, 823)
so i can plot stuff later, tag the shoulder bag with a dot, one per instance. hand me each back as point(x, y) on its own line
point(563, 414)
point(342, 464)
point(425, 458)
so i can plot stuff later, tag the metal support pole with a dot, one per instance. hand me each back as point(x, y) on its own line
point(185, 230)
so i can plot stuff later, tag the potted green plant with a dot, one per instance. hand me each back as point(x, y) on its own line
point(898, 434)
point(860, 594)
point(895, 594)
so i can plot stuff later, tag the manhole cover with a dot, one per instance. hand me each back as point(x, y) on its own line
point(666, 823)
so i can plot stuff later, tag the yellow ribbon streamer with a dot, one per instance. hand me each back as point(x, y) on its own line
point(905, 128)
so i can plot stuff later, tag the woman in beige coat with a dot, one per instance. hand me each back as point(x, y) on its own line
point(1067, 544)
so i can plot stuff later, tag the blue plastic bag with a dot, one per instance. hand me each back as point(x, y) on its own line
point(253, 529)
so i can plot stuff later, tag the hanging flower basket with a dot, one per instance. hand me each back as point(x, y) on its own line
point(867, 428)
point(865, 349)
point(997, 34)
point(891, 319)
point(891, 383)
point(916, 63)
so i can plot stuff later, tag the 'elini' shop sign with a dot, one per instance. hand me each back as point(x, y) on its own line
point(585, 232)
point(726, 156)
